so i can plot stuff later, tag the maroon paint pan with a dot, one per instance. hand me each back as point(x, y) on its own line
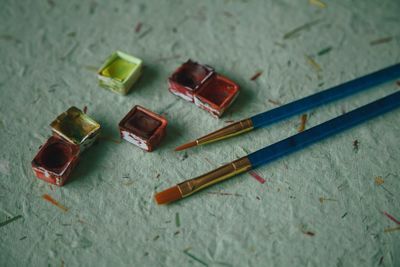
point(216, 95)
point(143, 128)
point(202, 85)
point(55, 160)
point(188, 78)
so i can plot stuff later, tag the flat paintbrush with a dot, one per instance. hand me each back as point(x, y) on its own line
point(298, 106)
point(281, 148)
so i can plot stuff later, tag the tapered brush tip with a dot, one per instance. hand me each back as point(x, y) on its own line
point(167, 196)
point(186, 146)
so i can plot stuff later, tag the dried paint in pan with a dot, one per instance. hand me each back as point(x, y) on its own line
point(143, 128)
point(76, 127)
point(55, 160)
point(202, 85)
point(216, 95)
point(119, 72)
point(188, 78)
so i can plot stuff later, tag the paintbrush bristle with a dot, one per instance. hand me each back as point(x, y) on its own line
point(185, 146)
point(167, 196)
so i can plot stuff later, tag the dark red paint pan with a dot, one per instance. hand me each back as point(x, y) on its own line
point(202, 85)
point(188, 78)
point(216, 95)
point(143, 128)
point(55, 160)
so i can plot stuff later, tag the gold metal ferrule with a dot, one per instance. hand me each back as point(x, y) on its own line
point(226, 132)
point(222, 173)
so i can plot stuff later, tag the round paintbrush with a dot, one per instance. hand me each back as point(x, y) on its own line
point(298, 106)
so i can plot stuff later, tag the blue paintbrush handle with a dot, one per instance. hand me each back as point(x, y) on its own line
point(334, 93)
point(324, 130)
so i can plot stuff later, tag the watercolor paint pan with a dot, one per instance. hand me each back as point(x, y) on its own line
point(76, 127)
point(55, 160)
point(119, 72)
point(143, 128)
point(216, 95)
point(204, 87)
point(188, 78)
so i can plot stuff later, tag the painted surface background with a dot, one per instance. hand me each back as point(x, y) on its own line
point(319, 207)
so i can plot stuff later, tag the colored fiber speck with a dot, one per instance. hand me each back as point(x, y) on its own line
point(177, 220)
point(54, 202)
point(388, 230)
point(257, 177)
point(309, 233)
point(145, 32)
point(391, 217)
point(379, 180)
point(195, 258)
point(138, 27)
point(322, 199)
point(324, 51)
point(380, 261)
point(317, 3)
point(296, 31)
point(303, 121)
point(313, 64)
point(128, 183)
point(256, 75)
point(277, 103)
point(381, 41)
point(10, 220)
point(355, 145)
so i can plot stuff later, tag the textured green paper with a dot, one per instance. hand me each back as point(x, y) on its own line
point(50, 52)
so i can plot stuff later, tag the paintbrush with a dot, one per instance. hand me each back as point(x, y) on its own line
point(281, 148)
point(298, 106)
